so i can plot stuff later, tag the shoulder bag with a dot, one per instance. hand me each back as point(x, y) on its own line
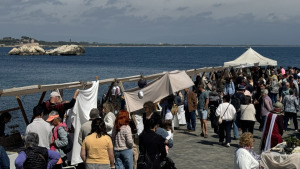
point(220, 117)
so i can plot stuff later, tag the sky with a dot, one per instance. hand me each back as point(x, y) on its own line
point(225, 22)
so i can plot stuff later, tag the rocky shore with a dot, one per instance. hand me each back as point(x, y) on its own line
point(37, 50)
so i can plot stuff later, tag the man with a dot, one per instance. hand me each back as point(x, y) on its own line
point(266, 105)
point(274, 123)
point(214, 101)
point(41, 127)
point(4, 118)
point(236, 100)
point(202, 109)
point(190, 106)
point(55, 104)
point(87, 126)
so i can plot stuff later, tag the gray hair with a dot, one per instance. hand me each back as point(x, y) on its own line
point(94, 113)
point(265, 91)
point(31, 139)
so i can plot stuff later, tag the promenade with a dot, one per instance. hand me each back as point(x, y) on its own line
point(193, 152)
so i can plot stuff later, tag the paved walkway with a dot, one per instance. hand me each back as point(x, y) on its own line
point(193, 152)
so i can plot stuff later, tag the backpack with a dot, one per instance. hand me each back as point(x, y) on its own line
point(236, 102)
point(69, 146)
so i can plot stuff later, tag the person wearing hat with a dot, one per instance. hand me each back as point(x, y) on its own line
point(40, 126)
point(291, 107)
point(274, 123)
point(55, 104)
point(86, 127)
point(236, 100)
point(59, 137)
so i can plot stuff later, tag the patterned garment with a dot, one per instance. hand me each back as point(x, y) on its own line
point(291, 104)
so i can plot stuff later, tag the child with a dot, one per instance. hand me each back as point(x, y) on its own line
point(168, 127)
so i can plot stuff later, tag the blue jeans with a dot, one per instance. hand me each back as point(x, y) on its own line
point(235, 130)
point(123, 159)
point(190, 118)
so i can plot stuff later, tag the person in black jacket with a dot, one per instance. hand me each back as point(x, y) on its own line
point(151, 143)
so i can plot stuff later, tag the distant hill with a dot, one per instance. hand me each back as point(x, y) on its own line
point(12, 42)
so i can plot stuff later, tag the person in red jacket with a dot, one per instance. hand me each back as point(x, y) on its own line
point(55, 104)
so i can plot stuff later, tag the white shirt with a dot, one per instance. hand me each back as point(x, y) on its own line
point(169, 115)
point(109, 121)
point(43, 129)
point(229, 114)
point(244, 160)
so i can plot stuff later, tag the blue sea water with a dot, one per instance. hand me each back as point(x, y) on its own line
point(114, 62)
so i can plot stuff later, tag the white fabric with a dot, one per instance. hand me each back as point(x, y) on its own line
point(244, 160)
point(274, 160)
point(251, 58)
point(268, 140)
point(85, 101)
point(175, 120)
point(156, 90)
point(181, 115)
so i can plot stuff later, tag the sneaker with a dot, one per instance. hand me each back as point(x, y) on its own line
point(202, 135)
point(220, 143)
point(205, 136)
point(227, 145)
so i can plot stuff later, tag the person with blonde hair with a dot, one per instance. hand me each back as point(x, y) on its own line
point(109, 117)
point(244, 157)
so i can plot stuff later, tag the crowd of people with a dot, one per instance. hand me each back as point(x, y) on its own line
point(230, 99)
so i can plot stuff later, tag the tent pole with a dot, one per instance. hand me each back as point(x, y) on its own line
point(108, 92)
point(22, 110)
point(42, 97)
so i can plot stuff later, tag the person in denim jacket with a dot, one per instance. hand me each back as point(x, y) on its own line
point(291, 106)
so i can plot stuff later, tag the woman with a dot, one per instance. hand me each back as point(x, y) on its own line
point(247, 115)
point(274, 89)
point(227, 113)
point(35, 157)
point(149, 109)
point(151, 143)
point(244, 157)
point(59, 137)
point(97, 149)
point(109, 117)
point(122, 141)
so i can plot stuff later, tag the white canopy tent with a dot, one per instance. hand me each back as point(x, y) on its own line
point(251, 58)
point(168, 84)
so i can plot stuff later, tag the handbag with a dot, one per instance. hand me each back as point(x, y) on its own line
point(167, 163)
point(144, 161)
point(174, 109)
point(220, 118)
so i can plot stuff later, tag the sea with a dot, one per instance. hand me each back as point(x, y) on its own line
point(113, 62)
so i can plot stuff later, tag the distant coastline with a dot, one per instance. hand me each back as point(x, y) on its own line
point(13, 42)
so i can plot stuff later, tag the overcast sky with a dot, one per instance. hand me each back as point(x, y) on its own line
point(154, 21)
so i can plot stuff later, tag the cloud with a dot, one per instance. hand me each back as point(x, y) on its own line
point(174, 21)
